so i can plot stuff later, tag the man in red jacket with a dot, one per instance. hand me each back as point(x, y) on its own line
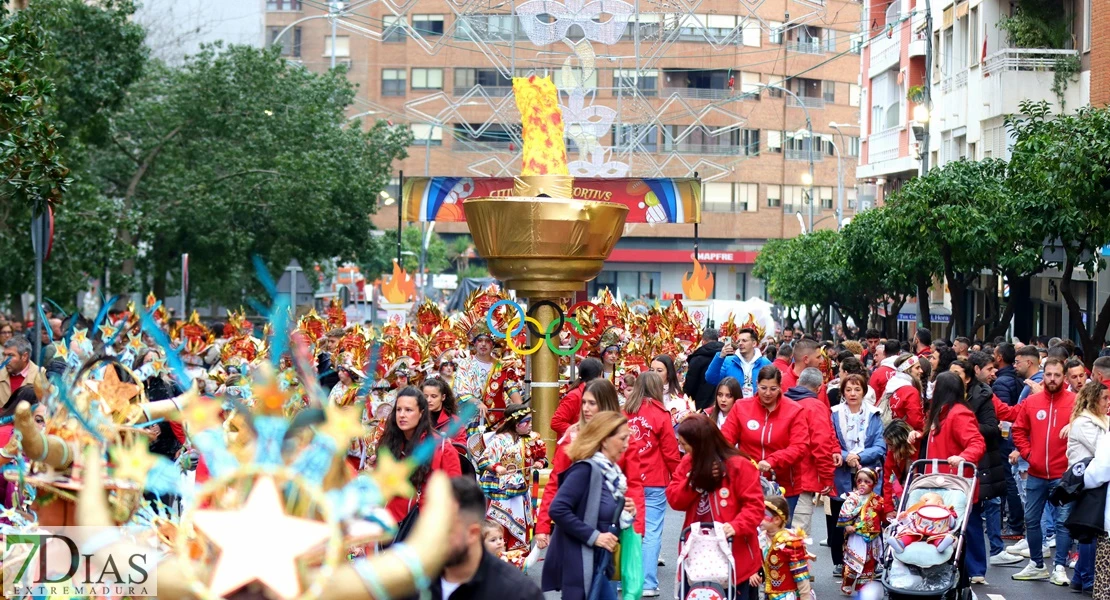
point(783, 359)
point(805, 356)
point(816, 470)
point(886, 354)
point(1037, 437)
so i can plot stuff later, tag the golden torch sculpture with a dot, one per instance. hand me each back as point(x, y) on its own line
point(541, 241)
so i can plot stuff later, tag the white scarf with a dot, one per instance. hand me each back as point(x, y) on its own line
point(616, 483)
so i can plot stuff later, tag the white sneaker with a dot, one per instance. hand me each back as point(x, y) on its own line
point(979, 580)
point(1018, 547)
point(1059, 576)
point(1050, 542)
point(1046, 552)
point(1004, 558)
point(1031, 572)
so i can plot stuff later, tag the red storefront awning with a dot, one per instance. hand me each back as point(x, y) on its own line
point(728, 257)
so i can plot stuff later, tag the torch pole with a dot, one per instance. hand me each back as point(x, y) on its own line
point(545, 378)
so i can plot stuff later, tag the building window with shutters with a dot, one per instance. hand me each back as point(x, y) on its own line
point(427, 79)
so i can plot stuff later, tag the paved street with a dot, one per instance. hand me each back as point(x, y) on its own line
point(1000, 586)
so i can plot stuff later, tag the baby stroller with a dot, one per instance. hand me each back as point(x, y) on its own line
point(706, 569)
point(937, 574)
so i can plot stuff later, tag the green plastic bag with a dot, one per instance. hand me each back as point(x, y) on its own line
point(631, 564)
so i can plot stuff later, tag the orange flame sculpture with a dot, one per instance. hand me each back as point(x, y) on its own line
point(401, 288)
point(697, 284)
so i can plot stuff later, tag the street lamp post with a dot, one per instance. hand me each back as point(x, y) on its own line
point(839, 176)
point(809, 143)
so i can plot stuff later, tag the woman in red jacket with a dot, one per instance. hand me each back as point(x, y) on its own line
point(715, 482)
point(600, 395)
point(954, 434)
point(728, 394)
point(444, 409)
point(409, 425)
point(653, 439)
point(904, 393)
point(567, 413)
point(772, 430)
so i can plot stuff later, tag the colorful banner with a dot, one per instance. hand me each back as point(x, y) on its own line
point(648, 200)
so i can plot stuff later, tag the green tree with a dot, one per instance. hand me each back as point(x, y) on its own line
point(81, 56)
point(1060, 170)
point(239, 153)
point(435, 260)
point(811, 271)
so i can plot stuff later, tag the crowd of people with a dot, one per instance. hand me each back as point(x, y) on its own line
point(753, 432)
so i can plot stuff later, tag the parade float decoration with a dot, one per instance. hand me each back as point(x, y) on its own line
point(697, 288)
point(397, 295)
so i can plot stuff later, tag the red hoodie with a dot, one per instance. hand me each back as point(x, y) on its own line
point(783, 366)
point(653, 438)
point(1036, 432)
point(628, 465)
point(958, 436)
point(445, 422)
point(568, 411)
point(781, 437)
point(738, 502)
point(789, 379)
point(905, 404)
point(879, 378)
point(817, 469)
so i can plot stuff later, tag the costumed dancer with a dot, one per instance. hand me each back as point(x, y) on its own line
point(785, 560)
point(484, 380)
point(506, 467)
point(861, 516)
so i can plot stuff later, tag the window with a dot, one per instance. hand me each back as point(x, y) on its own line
point(747, 197)
point(853, 145)
point(774, 33)
point(752, 34)
point(426, 135)
point(774, 141)
point(393, 29)
point(976, 51)
point(628, 285)
point(631, 137)
point(427, 79)
point(749, 83)
point(829, 91)
point(774, 196)
point(290, 42)
point(962, 49)
point(886, 102)
point(342, 46)
point(830, 40)
point(701, 140)
point(283, 5)
point(626, 80)
point(495, 83)
point(850, 198)
point(796, 198)
point(948, 52)
point(853, 94)
point(1086, 25)
point(428, 25)
point(826, 196)
point(569, 79)
point(718, 197)
point(749, 142)
point(393, 82)
point(855, 43)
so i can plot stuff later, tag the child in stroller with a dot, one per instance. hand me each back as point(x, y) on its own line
point(927, 540)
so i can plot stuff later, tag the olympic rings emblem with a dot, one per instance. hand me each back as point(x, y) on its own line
point(556, 327)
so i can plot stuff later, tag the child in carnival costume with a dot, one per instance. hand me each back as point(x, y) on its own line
point(507, 464)
point(785, 559)
point(862, 519)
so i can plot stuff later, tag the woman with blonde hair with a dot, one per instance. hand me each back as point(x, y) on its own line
point(1089, 424)
point(655, 444)
point(588, 509)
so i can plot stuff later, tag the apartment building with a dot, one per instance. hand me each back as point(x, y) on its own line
point(695, 100)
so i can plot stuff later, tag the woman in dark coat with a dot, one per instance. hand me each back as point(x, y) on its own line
point(588, 508)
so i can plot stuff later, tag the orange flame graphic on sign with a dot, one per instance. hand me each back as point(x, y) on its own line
point(401, 288)
point(698, 284)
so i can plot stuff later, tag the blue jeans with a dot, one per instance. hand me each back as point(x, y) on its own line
point(792, 503)
point(992, 514)
point(1037, 492)
point(975, 553)
point(655, 501)
point(1085, 566)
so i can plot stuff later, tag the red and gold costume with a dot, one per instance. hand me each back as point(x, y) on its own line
point(863, 548)
point(785, 566)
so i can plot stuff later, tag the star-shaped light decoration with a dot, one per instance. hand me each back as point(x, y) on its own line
point(259, 542)
point(392, 477)
point(202, 413)
point(107, 331)
point(80, 335)
point(60, 350)
point(135, 343)
point(158, 366)
point(342, 425)
point(132, 462)
point(115, 396)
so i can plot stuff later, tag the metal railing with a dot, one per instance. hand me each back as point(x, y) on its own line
point(1025, 59)
point(813, 47)
point(476, 146)
point(796, 154)
point(699, 93)
point(884, 145)
point(713, 149)
point(493, 92)
point(956, 81)
point(806, 101)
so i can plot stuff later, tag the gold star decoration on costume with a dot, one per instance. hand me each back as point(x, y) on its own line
point(115, 396)
point(60, 350)
point(392, 477)
point(107, 332)
point(132, 462)
point(202, 413)
point(135, 342)
point(80, 335)
point(259, 542)
point(342, 425)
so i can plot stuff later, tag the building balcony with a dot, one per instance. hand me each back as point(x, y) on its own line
point(805, 101)
point(886, 52)
point(707, 149)
point(478, 146)
point(491, 91)
point(796, 154)
point(699, 93)
point(1026, 69)
point(811, 47)
point(885, 145)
